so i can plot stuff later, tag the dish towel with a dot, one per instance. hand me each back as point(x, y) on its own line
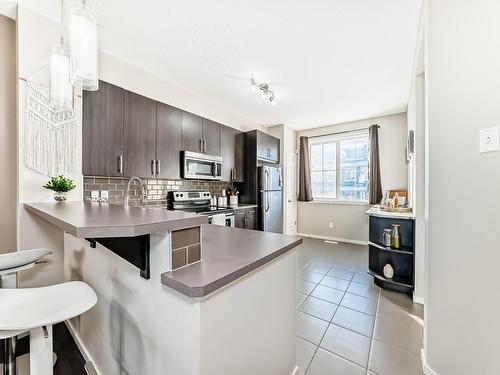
point(219, 219)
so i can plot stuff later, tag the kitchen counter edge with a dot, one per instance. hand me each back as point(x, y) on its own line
point(81, 220)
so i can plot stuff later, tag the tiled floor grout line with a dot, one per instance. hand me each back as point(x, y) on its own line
point(331, 320)
point(354, 300)
point(336, 309)
point(324, 333)
point(373, 332)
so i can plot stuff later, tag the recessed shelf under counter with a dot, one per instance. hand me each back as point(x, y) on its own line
point(401, 260)
point(403, 250)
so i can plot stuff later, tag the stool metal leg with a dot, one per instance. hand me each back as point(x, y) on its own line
point(9, 356)
point(41, 360)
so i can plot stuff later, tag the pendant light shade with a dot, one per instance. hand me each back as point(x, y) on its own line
point(82, 33)
point(61, 88)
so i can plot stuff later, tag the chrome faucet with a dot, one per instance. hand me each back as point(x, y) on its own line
point(143, 190)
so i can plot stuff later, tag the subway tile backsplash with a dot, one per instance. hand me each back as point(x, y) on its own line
point(157, 189)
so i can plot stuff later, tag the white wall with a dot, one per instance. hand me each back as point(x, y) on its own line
point(462, 315)
point(35, 37)
point(8, 133)
point(416, 167)
point(349, 220)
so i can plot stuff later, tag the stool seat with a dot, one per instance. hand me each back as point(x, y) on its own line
point(24, 309)
point(20, 260)
point(9, 334)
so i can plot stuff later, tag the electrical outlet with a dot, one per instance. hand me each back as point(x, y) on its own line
point(489, 139)
point(330, 225)
point(104, 194)
point(94, 194)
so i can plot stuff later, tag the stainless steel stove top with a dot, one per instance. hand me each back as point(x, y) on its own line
point(196, 201)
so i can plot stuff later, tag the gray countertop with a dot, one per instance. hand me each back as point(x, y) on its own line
point(227, 255)
point(94, 220)
point(242, 206)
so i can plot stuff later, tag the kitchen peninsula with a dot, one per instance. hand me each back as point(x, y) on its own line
point(230, 313)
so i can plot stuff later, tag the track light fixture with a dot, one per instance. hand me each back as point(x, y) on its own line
point(264, 90)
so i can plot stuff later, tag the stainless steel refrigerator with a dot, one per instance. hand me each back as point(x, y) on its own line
point(271, 199)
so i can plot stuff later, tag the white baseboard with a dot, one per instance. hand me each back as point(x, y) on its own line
point(418, 299)
point(425, 366)
point(338, 239)
point(81, 347)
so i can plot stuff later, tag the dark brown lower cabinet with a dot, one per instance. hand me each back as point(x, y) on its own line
point(245, 218)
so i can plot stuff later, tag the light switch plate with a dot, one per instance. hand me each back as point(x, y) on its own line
point(104, 194)
point(94, 194)
point(489, 139)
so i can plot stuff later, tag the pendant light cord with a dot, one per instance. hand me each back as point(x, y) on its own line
point(61, 36)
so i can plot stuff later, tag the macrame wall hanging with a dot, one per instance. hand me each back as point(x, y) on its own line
point(50, 136)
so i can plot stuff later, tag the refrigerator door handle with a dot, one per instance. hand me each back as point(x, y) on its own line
point(267, 201)
point(266, 174)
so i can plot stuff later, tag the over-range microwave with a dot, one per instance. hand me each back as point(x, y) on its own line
point(197, 166)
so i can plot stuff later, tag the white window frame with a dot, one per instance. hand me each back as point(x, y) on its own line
point(336, 138)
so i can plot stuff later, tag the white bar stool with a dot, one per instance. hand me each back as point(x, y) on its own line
point(10, 265)
point(37, 310)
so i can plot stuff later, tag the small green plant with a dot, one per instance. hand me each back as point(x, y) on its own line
point(60, 184)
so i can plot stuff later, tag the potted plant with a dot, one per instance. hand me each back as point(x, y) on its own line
point(61, 186)
point(232, 191)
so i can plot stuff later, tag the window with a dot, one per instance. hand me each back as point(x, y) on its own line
point(339, 167)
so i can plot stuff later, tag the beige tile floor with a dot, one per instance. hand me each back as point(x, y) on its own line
point(345, 324)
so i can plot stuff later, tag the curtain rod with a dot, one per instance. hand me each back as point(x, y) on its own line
point(342, 132)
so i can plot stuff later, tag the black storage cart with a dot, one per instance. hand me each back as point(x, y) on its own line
point(402, 260)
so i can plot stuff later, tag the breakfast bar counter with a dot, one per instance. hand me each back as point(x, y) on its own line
point(91, 220)
point(200, 319)
point(228, 254)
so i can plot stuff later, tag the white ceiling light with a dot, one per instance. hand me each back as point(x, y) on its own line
point(265, 91)
point(60, 87)
point(82, 32)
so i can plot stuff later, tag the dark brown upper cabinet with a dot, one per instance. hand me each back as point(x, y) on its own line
point(200, 134)
point(192, 132)
point(274, 149)
point(211, 137)
point(168, 140)
point(139, 119)
point(103, 131)
point(232, 152)
point(268, 147)
point(126, 134)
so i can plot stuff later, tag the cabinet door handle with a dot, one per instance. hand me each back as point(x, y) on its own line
point(201, 144)
point(204, 145)
point(158, 167)
point(153, 167)
point(120, 164)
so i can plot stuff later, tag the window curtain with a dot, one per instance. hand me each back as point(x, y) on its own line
point(305, 192)
point(375, 185)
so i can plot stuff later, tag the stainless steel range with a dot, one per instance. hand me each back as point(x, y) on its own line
point(199, 202)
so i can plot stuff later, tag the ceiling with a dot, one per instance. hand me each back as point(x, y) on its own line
point(328, 61)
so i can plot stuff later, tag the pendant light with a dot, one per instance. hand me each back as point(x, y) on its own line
point(60, 86)
point(83, 44)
